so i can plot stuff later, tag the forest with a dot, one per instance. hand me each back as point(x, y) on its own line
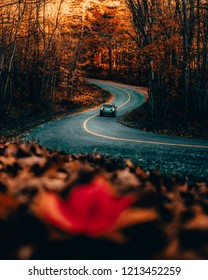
point(47, 47)
point(76, 181)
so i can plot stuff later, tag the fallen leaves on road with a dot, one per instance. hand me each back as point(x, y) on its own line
point(59, 206)
point(89, 209)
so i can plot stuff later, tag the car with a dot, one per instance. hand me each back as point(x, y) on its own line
point(108, 109)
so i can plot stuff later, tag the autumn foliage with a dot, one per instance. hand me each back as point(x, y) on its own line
point(89, 209)
point(59, 206)
point(47, 46)
point(165, 49)
point(173, 45)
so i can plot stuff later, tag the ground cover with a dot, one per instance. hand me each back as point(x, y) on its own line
point(56, 206)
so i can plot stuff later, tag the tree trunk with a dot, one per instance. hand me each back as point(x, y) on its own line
point(186, 54)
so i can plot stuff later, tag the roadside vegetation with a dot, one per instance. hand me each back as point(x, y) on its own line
point(47, 49)
point(25, 116)
point(164, 49)
point(41, 68)
point(48, 45)
point(140, 118)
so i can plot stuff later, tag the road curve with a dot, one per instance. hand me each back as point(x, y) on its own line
point(88, 132)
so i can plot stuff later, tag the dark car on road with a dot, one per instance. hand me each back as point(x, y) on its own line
point(108, 110)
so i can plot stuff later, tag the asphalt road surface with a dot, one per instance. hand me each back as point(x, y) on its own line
point(88, 132)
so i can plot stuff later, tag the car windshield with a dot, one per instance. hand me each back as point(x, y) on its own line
point(107, 105)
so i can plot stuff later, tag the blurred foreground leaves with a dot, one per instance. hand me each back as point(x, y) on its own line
point(112, 208)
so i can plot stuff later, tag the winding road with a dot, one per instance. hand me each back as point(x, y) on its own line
point(88, 132)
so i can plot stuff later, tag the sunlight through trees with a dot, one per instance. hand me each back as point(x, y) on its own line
point(46, 45)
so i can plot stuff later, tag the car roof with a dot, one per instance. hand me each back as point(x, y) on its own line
point(108, 104)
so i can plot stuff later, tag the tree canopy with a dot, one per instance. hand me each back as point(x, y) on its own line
point(49, 44)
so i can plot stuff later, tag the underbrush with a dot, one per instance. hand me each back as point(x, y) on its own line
point(140, 118)
point(24, 116)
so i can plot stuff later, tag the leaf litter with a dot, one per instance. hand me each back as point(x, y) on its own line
point(55, 205)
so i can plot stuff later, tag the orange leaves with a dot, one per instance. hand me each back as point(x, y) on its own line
point(89, 209)
point(7, 205)
point(199, 221)
point(93, 209)
point(161, 47)
point(120, 207)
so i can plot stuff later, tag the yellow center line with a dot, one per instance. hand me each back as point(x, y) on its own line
point(134, 140)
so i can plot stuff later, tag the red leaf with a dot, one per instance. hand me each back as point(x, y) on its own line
point(89, 209)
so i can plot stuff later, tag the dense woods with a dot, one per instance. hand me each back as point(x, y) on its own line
point(48, 46)
point(39, 50)
point(68, 189)
point(172, 41)
point(29, 56)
